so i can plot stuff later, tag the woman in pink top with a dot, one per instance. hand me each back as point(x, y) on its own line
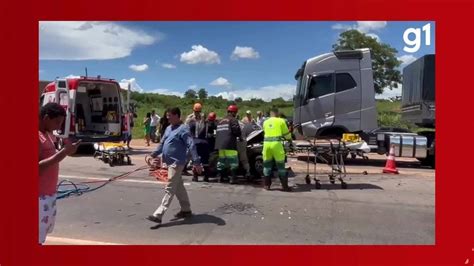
point(51, 118)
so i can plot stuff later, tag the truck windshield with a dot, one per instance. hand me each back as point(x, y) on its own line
point(299, 86)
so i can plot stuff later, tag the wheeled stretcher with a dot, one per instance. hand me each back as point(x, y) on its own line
point(112, 153)
point(332, 152)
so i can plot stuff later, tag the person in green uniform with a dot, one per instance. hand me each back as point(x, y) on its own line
point(228, 133)
point(275, 132)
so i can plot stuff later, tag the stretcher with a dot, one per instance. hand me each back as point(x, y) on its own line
point(113, 153)
point(332, 152)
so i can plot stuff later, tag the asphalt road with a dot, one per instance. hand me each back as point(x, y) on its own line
point(374, 209)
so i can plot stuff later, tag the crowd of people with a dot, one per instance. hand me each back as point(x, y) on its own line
point(199, 135)
point(179, 143)
point(225, 137)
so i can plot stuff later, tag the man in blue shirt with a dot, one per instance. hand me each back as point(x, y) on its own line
point(175, 143)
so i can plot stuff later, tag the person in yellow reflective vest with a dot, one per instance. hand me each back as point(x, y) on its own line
point(275, 131)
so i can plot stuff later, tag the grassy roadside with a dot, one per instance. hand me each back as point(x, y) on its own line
point(389, 114)
point(138, 130)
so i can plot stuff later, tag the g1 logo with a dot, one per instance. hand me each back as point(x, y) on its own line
point(413, 44)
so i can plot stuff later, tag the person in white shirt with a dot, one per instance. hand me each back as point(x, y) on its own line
point(153, 124)
point(260, 118)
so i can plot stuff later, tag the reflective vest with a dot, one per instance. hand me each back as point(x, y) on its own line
point(275, 129)
point(228, 130)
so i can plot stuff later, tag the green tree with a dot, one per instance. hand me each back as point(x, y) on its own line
point(278, 102)
point(202, 94)
point(384, 61)
point(238, 100)
point(190, 94)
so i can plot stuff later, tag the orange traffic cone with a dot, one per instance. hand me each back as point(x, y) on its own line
point(390, 167)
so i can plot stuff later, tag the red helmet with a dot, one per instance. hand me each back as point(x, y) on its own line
point(211, 116)
point(232, 108)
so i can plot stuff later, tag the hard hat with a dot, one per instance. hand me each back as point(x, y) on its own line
point(232, 108)
point(248, 112)
point(197, 107)
point(211, 116)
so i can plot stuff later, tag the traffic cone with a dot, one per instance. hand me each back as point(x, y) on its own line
point(390, 167)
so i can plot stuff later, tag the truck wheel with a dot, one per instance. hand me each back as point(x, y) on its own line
point(258, 166)
point(112, 161)
point(343, 185)
point(428, 161)
point(317, 185)
point(433, 161)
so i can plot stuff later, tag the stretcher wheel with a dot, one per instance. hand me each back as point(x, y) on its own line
point(307, 180)
point(317, 185)
point(343, 185)
point(111, 162)
point(129, 161)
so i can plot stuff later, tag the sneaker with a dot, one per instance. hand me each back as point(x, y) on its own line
point(154, 219)
point(182, 214)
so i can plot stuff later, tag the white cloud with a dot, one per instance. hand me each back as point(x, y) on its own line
point(138, 68)
point(388, 93)
point(220, 82)
point(286, 91)
point(192, 87)
point(85, 26)
point(200, 54)
point(71, 76)
point(244, 52)
point(133, 84)
point(340, 26)
point(406, 59)
point(167, 92)
point(170, 66)
point(76, 40)
point(367, 26)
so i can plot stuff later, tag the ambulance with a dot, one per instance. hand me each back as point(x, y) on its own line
point(95, 107)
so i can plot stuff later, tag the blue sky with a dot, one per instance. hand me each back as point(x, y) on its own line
point(232, 59)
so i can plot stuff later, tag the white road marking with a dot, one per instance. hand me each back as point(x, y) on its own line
point(117, 180)
point(51, 240)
